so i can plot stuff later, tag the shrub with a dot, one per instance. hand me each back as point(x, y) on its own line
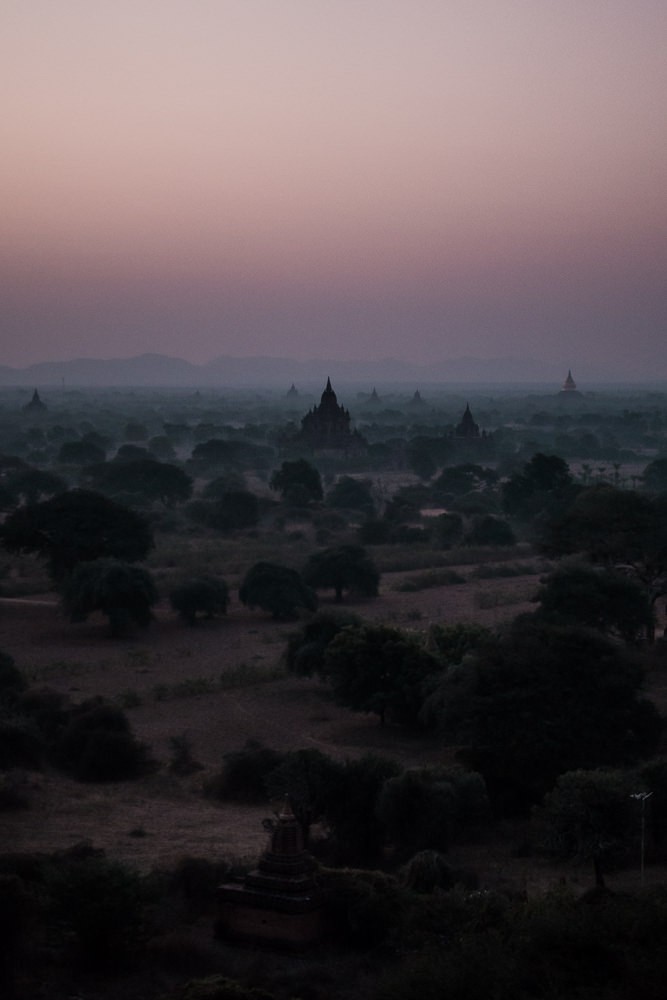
point(205, 595)
point(489, 530)
point(12, 681)
point(20, 744)
point(97, 744)
point(220, 988)
point(244, 774)
point(103, 902)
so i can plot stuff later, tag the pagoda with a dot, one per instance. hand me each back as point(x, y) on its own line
point(35, 405)
point(569, 387)
point(327, 427)
point(467, 428)
point(279, 903)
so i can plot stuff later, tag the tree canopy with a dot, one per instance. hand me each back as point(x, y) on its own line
point(277, 589)
point(616, 528)
point(297, 481)
point(541, 700)
point(77, 526)
point(378, 669)
point(122, 592)
point(579, 594)
point(349, 493)
point(543, 485)
point(205, 595)
point(145, 477)
point(343, 567)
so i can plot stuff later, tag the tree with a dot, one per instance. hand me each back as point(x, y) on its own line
point(351, 494)
point(615, 528)
point(579, 594)
point(306, 648)
point(277, 589)
point(541, 700)
point(589, 816)
point(344, 567)
point(234, 510)
point(447, 530)
point(465, 478)
point(205, 595)
point(122, 592)
point(31, 485)
point(351, 809)
point(375, 668)
point(655, 476)
point(490, 530)
point(299, 482)
point(80, 453)
point(145, 477)
point(231, 482)
point(306, 778)
point(543, 485)
point(77, 526)
point(427, 807)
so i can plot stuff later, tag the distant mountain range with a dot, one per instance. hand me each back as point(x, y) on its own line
point(159, 370)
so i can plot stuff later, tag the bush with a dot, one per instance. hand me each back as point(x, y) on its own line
point(244, 774)
point(103, 902)
point(205, 595)
point(97, 744)
point(489, 530)
point(426, 809)
point(219, 988)
point(20, 743)
point(306, 648)
point(12, 681)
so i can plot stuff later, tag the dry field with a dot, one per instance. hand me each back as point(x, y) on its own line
point(220, 684)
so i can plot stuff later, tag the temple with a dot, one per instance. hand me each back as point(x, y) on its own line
point(278, 903)
point(35, 405)
point(327, 427)
point(467, 428)
point(569, 387)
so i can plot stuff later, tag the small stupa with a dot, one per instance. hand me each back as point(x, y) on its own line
point(279, 903)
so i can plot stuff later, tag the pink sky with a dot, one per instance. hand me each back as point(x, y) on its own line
point(422, 179)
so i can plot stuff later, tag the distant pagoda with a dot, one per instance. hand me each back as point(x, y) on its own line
point(569, 387)
point(467, 428)
point(35, 405)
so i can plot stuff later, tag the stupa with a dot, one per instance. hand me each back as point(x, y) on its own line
point(278, 903)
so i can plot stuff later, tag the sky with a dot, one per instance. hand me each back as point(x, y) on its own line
point(359, 179)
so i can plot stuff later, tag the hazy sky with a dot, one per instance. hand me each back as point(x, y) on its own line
point(420, 179)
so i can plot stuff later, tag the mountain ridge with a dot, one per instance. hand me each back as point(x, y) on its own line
point(227, 371)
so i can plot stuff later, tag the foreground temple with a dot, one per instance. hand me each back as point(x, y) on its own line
point(278, 903)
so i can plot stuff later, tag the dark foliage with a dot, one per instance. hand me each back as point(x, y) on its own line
point(244, 775)
point(542, 700)
point(306, 648)
point(375, 668)
point(122, 592)
point(344, 567)
point(97, 744)
point(77, 526)
point(277, 589)
point(206, 595)
point(143, 477)
point(298, 482)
